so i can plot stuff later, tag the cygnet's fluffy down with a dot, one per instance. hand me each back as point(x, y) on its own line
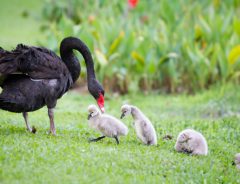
point(237, 160)
point(108, 125)
point(144, 128)
point(191, 142)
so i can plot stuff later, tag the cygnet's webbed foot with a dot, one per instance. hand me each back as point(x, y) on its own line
point(116, 138)
point(96, 139)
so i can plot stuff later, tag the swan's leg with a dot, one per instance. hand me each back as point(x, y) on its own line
point(25, 115)
point(51, 118)
point(97, 139)
point(116, 138)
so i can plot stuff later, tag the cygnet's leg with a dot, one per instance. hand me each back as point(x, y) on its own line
point(116, 138)
point(188, 151)
point(51, 118)
point(149, 142)
point(97, 139)
point(25, 115)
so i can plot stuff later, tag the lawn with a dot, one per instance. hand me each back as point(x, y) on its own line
point(69, 158)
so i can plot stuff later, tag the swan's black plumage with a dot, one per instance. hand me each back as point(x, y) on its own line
point(33, 88)
point(32, 77)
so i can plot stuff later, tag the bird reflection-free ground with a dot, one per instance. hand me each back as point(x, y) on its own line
point(69, 158)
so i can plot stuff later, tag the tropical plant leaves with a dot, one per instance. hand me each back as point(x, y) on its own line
point(101, 58)
point(234, 55)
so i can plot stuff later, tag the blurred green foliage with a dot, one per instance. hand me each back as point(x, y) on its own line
point(19, 22)
point(173, 46)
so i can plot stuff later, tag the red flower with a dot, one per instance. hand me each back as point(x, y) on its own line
point(132, 3)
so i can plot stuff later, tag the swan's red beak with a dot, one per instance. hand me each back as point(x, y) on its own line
point(100, 102)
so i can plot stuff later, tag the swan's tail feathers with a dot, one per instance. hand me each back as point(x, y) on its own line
point(2, 51)
point(7, 62)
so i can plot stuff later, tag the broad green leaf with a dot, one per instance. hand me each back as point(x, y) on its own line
point(66, 25)
point(234, 55)
point(116, 42)
point(171, 55)
point(198, 31)
point(216, 3)
point(152, 68)
point(204, 23)
point(236, 25)
point(101, 58)
point(138, 57)
point(114, 56)
point(96, 35)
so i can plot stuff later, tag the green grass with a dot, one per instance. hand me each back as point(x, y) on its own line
point(69, 158)
point(15, 28)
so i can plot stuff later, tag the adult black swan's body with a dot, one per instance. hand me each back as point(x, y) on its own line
point(32, 77)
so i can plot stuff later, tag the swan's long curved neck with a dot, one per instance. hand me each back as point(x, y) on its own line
point(66, 51)
point(136, 113)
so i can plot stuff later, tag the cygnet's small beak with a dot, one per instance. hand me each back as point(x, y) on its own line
point(89, 116)
point(123, 115)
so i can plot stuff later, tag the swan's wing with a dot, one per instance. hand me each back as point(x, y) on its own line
point(107, 126)
point(105, 130)
point(146, 129)
point(37, 62)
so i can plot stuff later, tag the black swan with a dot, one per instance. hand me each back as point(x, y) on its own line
point(32, 77)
